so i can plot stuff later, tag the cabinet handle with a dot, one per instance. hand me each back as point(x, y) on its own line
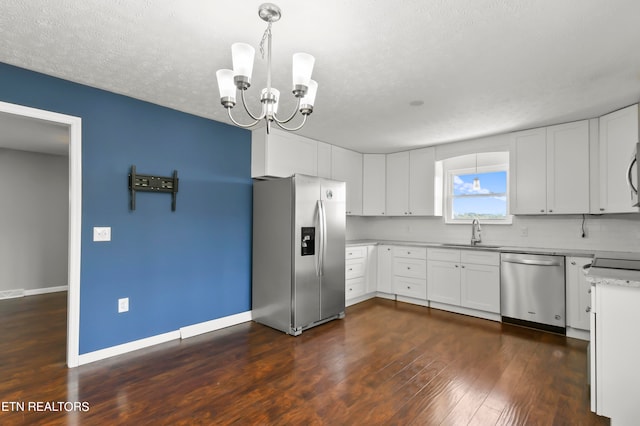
point(410, 212)
point(408, 287)
point(601, 209)
point(589, 291)
point(408, 268)
point(351, 269)
point(462, 266)
point(456, 266)
point(550, 211)
point(542, 211)
point(588, 309)
point(573, 263)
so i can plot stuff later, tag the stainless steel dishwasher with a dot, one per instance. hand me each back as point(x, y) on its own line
point(533, 290)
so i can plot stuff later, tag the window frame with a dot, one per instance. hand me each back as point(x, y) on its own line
point(448, 194)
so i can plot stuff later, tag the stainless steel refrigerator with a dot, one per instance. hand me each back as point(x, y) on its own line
point(298, 252)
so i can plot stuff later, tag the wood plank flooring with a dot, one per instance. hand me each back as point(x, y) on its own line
point(386, 363)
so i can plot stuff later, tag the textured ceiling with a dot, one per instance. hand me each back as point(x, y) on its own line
point(481, 67)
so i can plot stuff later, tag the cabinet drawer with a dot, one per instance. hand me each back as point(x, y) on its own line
point(410, 287)
point(444, 255)
point(479, 257)
point(354, 268)
point(354, 287)
point(355, 252)
point(410, 252)
point(413, 268)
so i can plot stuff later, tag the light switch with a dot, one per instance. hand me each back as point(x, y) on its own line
point(101, 233)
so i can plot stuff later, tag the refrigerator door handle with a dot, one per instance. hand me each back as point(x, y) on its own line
point(632, 188)
point(323, 236)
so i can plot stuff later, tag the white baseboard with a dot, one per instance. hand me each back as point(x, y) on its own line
point(20, 292)
point(466, 311)
point(359, 299)
point(182, 333)
point(213, 325)
point(578, 334)
point(46, 290)
point(412, 300)
point(127, 347)
point(12, 294)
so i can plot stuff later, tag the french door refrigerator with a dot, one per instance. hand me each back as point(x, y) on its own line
point(298, 252)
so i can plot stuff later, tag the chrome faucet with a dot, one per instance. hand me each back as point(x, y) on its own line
point(476, 232)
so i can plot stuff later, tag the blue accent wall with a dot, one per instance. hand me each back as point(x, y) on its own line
point(177, 268)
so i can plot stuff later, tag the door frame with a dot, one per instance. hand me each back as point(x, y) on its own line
point(75, 216)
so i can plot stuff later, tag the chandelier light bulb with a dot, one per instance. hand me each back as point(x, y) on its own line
point(309, 99)
point(242, 56)
point(226, 87)
point(302, 67)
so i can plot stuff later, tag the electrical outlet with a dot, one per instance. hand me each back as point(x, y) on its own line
point(524, 231)
point(123, 305)
point(101, 233)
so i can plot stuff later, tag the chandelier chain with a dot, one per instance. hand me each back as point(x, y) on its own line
point(266, 34)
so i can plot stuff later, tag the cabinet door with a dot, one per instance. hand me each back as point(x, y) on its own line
point(385, 269)
point(443, 282)
point(371, 275)
point(618, 138)
point(282, 154)
point(410, 287)
point(346, 166)
point(354, 287)
point(527, 171)
point(568, 168)
point(374, 183)
point(480, 287)
point(398, 184)
point(578, 293)
point(421, 181)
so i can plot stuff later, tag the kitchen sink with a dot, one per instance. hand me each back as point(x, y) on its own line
point(469, 246)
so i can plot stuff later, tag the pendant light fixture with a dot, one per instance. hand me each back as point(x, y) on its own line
point(229, 81)
point(476, 180)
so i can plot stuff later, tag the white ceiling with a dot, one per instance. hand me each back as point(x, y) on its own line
point(481, 66)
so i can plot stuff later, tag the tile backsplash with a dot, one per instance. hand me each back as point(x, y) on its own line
point(620, 232)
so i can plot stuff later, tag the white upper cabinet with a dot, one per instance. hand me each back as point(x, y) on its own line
point(528, 172)
point(549, 170)
point(282, 154)
point(421, 181)
point(411, 183)
point(618, 139)
point(373, 184)
point(398, 184)
point(346, 166)
point(568, 168)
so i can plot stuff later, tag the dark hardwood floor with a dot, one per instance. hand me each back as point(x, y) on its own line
point(386, 363)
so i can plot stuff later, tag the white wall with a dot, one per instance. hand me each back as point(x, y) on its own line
point(34, 210)
point(606, 232)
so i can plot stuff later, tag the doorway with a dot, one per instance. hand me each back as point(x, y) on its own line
point(74, 126)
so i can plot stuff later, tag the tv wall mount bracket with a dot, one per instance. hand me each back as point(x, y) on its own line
point(150, 183)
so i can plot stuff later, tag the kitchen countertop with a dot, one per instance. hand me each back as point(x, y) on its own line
point(504, 249)
point(615, 277)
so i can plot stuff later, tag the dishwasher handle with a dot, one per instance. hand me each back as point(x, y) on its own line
point(533, 262)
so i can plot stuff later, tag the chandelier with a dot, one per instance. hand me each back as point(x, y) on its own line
point(230, 81)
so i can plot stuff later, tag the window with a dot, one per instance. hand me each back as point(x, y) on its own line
point(486, 200)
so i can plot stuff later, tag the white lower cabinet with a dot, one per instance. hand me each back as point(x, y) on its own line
point(578, 296)
point(385, 269)
point(358, 273)
point(468, 279)
point(410, 272)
